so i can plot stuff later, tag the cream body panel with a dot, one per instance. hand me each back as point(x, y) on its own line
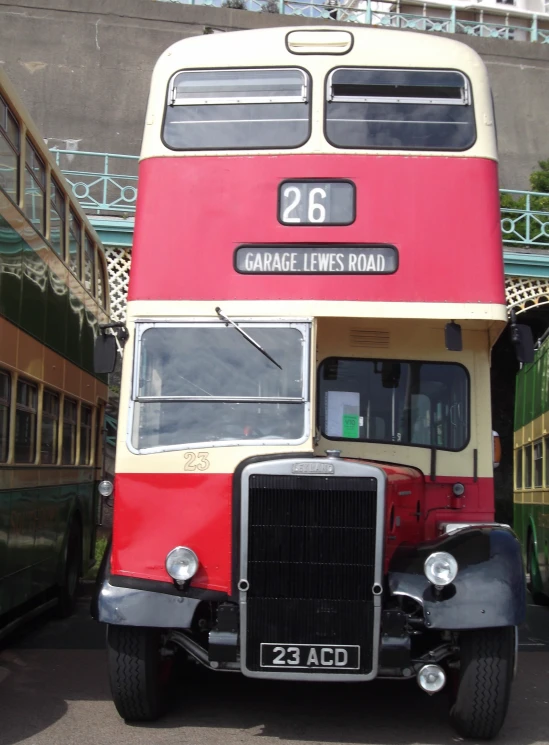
point(372, 47)
point(402, 338)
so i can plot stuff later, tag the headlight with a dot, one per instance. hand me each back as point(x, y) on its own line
point(440, 568)
point(105, 488)
point(181, 564)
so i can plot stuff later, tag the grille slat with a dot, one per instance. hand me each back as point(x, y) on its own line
point(311, 563)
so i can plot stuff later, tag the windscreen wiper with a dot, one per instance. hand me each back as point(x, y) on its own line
point(246, 336)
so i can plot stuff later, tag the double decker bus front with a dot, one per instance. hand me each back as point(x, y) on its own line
point(304, 470)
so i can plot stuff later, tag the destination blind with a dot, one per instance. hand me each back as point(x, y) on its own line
point(319, 259)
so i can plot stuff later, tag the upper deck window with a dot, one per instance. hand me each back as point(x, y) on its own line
point(9, 151)
point(237, 109)
point(399, 109)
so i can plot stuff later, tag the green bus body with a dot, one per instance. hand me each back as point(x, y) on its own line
point(53, 295)
point(531, 469)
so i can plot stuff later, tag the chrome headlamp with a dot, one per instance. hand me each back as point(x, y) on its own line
point(182, 564)
point(440, 568)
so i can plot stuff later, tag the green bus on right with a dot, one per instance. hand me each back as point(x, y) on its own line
point(531, 470)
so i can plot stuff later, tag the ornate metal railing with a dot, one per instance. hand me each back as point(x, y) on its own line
point(525, 218)
point(107, 184)
point(103, 182)
point(473, 20)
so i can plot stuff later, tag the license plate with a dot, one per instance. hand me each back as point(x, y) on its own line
point(345, 657)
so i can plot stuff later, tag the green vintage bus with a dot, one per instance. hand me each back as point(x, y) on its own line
point(531, 470)
point(53, 296)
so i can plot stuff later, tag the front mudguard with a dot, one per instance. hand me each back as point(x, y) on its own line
point(489, 589)
point(130, 601)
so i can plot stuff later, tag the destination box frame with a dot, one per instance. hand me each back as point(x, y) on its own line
point(316, 247)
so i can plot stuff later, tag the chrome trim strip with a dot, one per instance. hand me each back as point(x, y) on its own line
point(221, 399)
point(342, 468)
point(203, 101)
point(454, 527)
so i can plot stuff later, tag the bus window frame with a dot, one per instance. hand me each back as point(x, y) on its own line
point(309, 101)
point(519, 469)
point(398, 148)
point(320, 404)
point(58, 421)
point(527, 468)
point(18, 407)
point(27, 168)
point(305, 326)
point(538, 445)
point(15, 146)
point(60, 209)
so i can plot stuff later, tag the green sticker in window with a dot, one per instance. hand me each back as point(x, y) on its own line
point(350, 426)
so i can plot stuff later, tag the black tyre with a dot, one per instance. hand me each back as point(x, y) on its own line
point(538, 597)
point(482, 690)
point(139, 674)
point(68, 591)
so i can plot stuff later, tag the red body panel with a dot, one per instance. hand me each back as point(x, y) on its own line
point(441, 213)
point(156, 512)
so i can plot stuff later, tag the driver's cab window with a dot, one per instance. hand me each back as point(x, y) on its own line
point(395, 401)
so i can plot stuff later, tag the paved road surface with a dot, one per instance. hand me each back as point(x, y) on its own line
point(54, 691)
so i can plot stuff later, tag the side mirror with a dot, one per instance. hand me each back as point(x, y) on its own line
point(390, 374)
point(523, 341)
point(104, 354)
point(452, 337)
point(496, 449)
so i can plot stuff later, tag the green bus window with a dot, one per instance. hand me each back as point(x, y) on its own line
point(547, 461)
point(86, 418)
point(57, 219)
point(75, 239)
point(538, 464)
point(35, 188)
point(25, 422)
point(5, 391)
point(68, 453)
point(50, 428)
point(9, 152)
point(101, 283)
point(89, 265)
point(528, 467)
point(518, 468)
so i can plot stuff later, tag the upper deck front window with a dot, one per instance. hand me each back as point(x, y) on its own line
point(399, 109)
point(205, 383)
point(237, 109)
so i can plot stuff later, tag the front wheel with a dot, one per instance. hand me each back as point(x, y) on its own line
point(139, 673)
point(481, 694)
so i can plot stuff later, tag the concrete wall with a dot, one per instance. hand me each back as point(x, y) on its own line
point(83, 69)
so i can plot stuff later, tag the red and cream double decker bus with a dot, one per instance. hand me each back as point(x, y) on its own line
point(304, 467)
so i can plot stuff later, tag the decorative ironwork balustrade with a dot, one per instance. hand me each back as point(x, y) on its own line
point(525, 218)
point(103, 182)
point(492, 22)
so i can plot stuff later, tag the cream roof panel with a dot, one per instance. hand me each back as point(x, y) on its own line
point(373, 47)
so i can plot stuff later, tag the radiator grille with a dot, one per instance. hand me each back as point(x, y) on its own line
point(311, 562)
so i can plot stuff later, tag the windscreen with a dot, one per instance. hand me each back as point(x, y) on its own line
point(237, 109)
point(398, 402)
point(399, 109)
point(201, 384)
